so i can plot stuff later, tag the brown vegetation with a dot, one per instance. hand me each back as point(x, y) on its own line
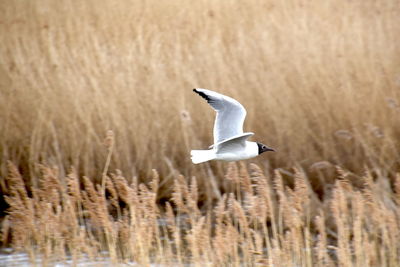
point(320, 81)
point(261, 222)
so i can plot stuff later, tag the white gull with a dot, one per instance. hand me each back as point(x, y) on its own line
point(230, 143)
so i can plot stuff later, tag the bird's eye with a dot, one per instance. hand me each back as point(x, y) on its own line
point(263, 147)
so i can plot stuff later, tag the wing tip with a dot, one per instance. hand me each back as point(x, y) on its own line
point(196, 91)
point(202, 94)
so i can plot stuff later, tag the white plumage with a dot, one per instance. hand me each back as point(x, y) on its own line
point(230, 143)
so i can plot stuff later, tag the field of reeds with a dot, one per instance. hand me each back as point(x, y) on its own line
point(97, 120)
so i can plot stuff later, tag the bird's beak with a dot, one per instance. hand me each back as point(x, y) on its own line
point(270, 149)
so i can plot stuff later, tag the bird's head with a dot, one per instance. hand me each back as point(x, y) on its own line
point(263, 148)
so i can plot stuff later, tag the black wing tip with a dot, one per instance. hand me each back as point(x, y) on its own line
point(203, 95)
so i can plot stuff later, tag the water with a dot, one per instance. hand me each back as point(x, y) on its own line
point(10, 259)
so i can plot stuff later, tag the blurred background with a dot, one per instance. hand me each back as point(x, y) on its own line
point(320, 81)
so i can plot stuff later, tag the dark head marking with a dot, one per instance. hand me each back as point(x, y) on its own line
point(263, 148)
point(203, 95)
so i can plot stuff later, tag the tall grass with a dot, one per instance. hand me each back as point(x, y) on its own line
point(303, 70)
point(261, 222)
point(320, 81)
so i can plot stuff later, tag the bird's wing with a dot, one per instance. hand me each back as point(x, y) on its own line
point(230, 114)
point(233, 144)
point(244, 135)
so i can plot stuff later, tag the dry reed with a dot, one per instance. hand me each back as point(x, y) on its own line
point(320, 81)
point(279, 226)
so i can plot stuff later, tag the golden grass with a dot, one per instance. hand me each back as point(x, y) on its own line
point(320, 81)
point(267, 224)
point(304, 71)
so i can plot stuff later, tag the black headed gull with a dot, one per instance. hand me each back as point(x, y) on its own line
point(230, 143)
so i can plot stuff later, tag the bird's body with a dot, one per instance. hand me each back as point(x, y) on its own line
point(230, 143)
point(231, 151)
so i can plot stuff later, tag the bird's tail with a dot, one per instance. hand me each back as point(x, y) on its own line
point(199, 156)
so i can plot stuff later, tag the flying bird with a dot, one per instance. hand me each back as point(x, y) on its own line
point(230, 143)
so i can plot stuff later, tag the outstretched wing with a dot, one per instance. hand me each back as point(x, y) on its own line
point(230, 114)
point(236, 143)
point(241, 138)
